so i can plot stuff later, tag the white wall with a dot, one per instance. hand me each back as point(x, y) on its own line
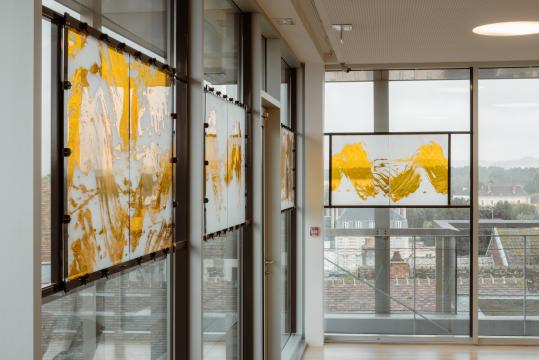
point(20, 36)
point(314, 203)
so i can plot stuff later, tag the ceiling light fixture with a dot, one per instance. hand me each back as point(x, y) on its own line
point(510, 28)
point(284, 21)
point(341, 28)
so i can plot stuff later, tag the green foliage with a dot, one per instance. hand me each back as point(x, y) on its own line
point(528, 178)
point(506, 211)
point(424, 218)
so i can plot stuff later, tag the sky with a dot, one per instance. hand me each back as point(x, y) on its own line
point(508, 113)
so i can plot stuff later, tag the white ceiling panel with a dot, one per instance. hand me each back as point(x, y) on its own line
point(423, 31)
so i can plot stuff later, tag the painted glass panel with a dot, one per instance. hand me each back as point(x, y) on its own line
point(216, 168)
point(225, 164)
point(235, 173)
point(399, 170)
point(119, 172)
point(287, 168)
point(151, 153)
point(97, 133)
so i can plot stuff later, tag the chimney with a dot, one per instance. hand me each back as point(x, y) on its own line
point(399, 267)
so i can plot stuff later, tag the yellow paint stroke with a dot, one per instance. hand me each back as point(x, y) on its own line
point(369, 178)
point(84, 249)
point(403, 184)
point(101, 202)
point(287, 165)
point(353, 163)
point(149, 199)
point(216, 161)
point(432, 159)
point(234, 166)
point(75, 43)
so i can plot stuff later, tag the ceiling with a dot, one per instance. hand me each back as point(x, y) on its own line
point(414, 31)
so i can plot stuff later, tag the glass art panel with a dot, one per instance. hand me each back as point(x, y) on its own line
point(119, 172)
point(97, 132)
point(216, 152)
point(235, 169)
point(390, 170)
point(150, 171)
point(225, 164)
point(287, 168)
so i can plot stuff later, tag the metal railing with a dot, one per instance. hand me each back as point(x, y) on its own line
point(508, 270)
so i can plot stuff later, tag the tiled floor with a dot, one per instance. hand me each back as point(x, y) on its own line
point(420, 352)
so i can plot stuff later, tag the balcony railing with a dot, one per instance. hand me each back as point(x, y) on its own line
point(417, 281)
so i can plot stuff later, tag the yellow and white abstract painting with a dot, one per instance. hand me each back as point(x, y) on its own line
point(287, 168)
point(389, 170)
point(235, 173)
point(216, 152)
point(150, 166)
point(225, 169)
point(118, 175)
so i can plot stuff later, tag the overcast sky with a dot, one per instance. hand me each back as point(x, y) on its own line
point(508, 113)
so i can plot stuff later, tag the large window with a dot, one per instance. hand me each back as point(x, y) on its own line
point(288, 201)
point(221, 296)
point(508, 302)
point(395, 249)
point(124, 317)
point(222, 47)
point(145, 23)
point(120, 313)
point(47, 31)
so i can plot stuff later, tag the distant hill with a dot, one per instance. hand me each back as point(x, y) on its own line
point(525, 162)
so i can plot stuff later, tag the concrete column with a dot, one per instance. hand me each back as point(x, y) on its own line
point(382, 253)
point(314, 203)
point(20, 188)
point(445, 274)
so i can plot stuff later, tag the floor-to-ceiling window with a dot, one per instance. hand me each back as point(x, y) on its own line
point(508, 282)
point(221, 296)
point(288, 212)
point(222, 47)
point(222, 249)
point(397, 219)
point(124, 317)
point(125, 312)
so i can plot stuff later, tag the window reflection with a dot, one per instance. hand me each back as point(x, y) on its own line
point(125, 317)
point(508, 199)
point(222, 23)
point(221, 296)
point(400, 271)
point(46, 132)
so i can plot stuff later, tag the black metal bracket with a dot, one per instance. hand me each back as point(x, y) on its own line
point(66, 219)
point(66, 85)
point(67, 152)
point(104, 37)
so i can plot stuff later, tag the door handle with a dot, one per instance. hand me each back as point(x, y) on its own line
point(267, 264)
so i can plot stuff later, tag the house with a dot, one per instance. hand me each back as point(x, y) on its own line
point(490, 195)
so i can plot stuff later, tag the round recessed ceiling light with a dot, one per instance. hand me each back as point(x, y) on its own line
point(510, 28)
